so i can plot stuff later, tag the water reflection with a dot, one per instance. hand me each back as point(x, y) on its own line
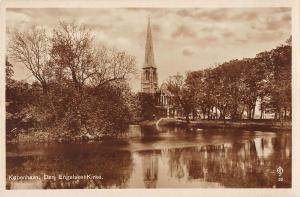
point(159, 159)
point(150, 168)
point(114, 166)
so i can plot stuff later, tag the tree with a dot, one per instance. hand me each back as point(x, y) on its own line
point(277, 83)
point(112, 65)
point(183, 95)
point(8, 73)
point(73, 51)
point(253, 80)
point(91, 69)
point(85, 86)
point(147, 104)
point(281, 94)
point(201, 84)
point(31, 48)
point(236, 86)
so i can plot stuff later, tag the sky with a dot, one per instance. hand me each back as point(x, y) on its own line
point(184, 39)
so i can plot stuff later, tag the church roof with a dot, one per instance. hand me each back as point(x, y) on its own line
point(149, 51)
point(164, 89)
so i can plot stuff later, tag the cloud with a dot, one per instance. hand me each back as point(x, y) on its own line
point(187, 52)
point(264, 37)
point(272, 23)
point(286, 17)
point(207, 41)
point(184, 31)
point(205, 14)
point(156, 28)
point(227, 34)
point(247, 16)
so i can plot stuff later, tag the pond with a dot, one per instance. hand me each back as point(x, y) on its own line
point(150, 157)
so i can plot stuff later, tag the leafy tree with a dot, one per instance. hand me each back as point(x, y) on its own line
point(235, 87)
point(183, 95)
point(9, 72)
point(277, 82)
point(147, 104)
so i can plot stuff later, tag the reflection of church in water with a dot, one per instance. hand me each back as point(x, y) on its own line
point(149, 80)
point(150, 169)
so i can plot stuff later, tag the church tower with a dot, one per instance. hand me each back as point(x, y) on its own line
point(149, 74)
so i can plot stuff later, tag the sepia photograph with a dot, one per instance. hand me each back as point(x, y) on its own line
point(148, 97)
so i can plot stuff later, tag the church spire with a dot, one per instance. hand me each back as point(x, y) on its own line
point(149, 79)
point(149, 53)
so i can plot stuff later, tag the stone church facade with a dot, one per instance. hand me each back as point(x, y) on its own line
point(149, 81)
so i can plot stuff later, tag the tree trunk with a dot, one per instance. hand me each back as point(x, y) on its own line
point(253, 112)
point(221, 115)
point(285, 113)
point(187, 118)
point(45, 88)
point(194, 113)
point(242, 112)
point(208, 113)
point(280, 115)
point(248, 113)
point(216, 113)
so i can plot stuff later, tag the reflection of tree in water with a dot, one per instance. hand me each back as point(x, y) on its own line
point(149, 134)
point(175, 163)
point(249, 163)
point(238, 165)
point(114, 166)
point(150, 167)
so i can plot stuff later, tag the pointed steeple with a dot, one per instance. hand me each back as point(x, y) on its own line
point(149, 53)
point(149, 78)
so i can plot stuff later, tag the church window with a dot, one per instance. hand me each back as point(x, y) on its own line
point(147, 75)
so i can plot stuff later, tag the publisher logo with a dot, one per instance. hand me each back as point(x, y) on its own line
point(280, 173)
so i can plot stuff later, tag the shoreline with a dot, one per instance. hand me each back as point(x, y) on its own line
point(255, 124)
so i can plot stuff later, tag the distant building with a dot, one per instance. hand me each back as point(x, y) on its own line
point(149, 81)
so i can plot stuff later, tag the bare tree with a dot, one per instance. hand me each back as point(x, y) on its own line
point(31, 48)
point(74, 49)
point(112, 65)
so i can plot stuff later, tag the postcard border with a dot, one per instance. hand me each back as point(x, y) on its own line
point(294, 191)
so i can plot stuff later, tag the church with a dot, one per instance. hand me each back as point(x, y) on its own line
point(149, 81)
